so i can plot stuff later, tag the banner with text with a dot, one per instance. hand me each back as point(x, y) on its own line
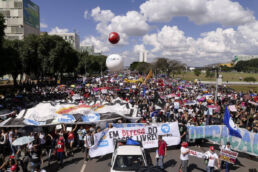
point(219, 134)
point(147, 134)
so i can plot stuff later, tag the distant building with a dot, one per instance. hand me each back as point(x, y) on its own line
point(72, 38)
point(244, 58)
point(21, 18)
point(90, 50)
point(143, 56)
point(191, 68)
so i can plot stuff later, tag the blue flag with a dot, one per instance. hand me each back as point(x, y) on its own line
point(230, 124)
point(143, 92)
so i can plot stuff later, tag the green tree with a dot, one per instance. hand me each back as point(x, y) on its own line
point(133, 66)
point(12, 58)
point(197, 72)
point(2, 28)
point(30, 58)
point(164, 65)
point(82, 64)
point(247, 66)
point(209, 73)
point(249, 79)
point(175, 67)
point(161, 65)
point(141, 67)
point(45, 45)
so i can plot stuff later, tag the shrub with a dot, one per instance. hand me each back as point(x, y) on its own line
point(249, 79)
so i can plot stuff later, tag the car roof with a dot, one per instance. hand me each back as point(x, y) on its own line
point(129, 150)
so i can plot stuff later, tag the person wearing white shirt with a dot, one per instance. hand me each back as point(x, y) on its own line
point(212, 157)
point(88, 142)
point(184, 156)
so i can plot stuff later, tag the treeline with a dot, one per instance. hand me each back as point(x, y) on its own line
point(247, 66)
point(160, 66)
point(44, 56)
point(250, 66)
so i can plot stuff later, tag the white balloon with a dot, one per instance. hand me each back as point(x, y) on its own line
point(114, 62)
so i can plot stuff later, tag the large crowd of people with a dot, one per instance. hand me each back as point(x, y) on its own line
point(160, 99)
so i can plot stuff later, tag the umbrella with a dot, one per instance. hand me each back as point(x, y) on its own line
point(23, 141)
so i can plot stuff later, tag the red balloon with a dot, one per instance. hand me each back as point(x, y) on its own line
point(114, 38)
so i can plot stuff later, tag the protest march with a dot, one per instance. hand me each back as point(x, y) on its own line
point(85, 117)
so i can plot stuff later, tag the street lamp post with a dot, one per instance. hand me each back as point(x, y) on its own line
point(216, 92)
point(85, 66)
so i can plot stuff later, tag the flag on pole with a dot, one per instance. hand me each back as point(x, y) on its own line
point(230, 124)
point(150, 75)
point(143, 92)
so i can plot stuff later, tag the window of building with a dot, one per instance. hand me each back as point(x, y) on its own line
point(12, 37)
point(5, 13)
point(17, 4)
point(16, 29)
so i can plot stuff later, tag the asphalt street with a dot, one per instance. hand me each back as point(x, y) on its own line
point(245, 162)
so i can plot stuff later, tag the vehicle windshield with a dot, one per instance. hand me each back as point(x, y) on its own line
point(128, 162)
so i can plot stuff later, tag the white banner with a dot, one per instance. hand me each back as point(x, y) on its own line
point(147, 134)
point(197, 154)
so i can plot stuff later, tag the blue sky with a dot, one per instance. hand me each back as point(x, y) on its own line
point(196, 32)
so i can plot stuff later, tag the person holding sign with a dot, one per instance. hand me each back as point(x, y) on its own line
point(184, 156)
point(70, 138)
point(228, 148)
point(211, 157)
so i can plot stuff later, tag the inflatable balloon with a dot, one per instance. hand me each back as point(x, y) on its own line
point(114, 38)
point(114, 63)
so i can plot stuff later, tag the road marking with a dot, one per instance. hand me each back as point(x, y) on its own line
point(83, 167)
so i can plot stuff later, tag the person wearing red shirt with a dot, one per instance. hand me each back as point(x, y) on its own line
point(60, 150)
point(70, 139)
point(162, 149)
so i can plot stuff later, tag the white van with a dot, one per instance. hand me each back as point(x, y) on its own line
point(128, 158)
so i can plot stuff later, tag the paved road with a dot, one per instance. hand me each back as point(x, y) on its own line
point(77, 164)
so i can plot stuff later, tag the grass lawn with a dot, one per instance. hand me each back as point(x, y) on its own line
point(226, 76)
point(244, 88)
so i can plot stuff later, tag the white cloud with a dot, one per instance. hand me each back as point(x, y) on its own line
point(102, 15)
point(224, 12)
point(99, 45)
point(131, 24)
point(215, 46)
point(43, 25)
point(58, 30)
point(85, 14)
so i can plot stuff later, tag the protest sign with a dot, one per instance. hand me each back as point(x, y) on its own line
point(232, 108)
point(197, 154)
point(58, 127)
point(219, 134)
point(69, 129)
point(228, 156)
point(147, 134)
